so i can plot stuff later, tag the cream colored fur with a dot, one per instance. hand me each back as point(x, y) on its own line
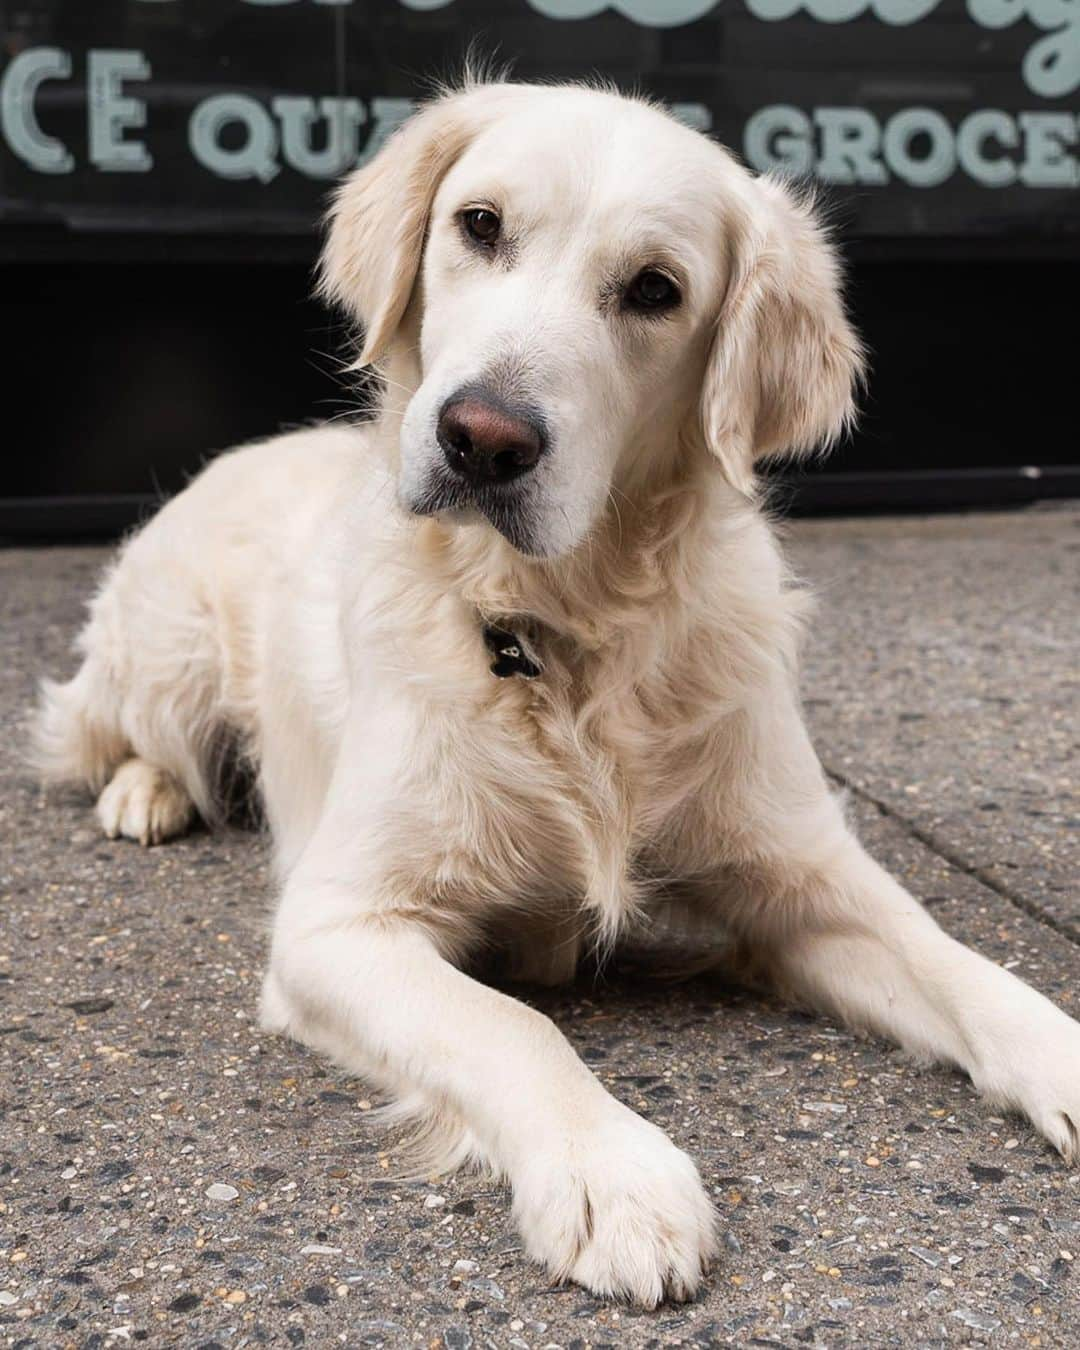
point(423, 810)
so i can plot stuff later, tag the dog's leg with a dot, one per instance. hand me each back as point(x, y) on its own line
point(545, 948)
point(600, 1195)
point(879, 961)
point(836, 931)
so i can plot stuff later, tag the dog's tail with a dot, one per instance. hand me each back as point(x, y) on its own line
point(75, 736)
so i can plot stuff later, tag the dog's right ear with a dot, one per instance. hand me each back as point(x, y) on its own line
point(379, 216)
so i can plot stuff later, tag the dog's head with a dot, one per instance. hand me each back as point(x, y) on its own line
point(573, 285)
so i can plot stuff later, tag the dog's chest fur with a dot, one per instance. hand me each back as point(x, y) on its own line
point(580, 789)
point(586, 773)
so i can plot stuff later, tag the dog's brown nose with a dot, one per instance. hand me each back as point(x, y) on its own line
point(486, 443)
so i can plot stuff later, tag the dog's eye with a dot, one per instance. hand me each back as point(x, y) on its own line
point(481, 225)
point(651, 290)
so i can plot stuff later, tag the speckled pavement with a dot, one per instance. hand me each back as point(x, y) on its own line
point(171, 1177)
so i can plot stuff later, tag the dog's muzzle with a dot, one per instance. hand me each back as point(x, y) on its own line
point(490, 449)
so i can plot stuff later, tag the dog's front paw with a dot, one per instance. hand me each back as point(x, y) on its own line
point(1035, 1068)
point(1060, 1122)
point(144, 803)
point(620, 1210)
point(1051, 1086)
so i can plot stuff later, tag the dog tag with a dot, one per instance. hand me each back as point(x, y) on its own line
point(512, 655)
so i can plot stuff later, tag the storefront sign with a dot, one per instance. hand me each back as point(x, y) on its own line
point(937, 118)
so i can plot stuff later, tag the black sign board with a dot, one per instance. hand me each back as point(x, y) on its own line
point(939, 119)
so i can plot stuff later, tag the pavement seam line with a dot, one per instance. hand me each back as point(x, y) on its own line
point(947, 854)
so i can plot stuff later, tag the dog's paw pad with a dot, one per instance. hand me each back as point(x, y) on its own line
point(144, 803)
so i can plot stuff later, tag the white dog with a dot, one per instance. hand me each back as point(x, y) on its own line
point(525, 643)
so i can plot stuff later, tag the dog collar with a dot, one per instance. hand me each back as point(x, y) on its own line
point(512, 654)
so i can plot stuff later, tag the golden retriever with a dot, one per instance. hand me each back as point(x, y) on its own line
point(524, 646)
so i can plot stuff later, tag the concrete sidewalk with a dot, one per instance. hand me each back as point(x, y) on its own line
point(171, 1177)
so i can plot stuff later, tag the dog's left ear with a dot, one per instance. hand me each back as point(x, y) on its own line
point(379, 216)
point(785, 363)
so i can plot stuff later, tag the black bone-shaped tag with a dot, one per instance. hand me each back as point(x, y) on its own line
point(511, 653)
